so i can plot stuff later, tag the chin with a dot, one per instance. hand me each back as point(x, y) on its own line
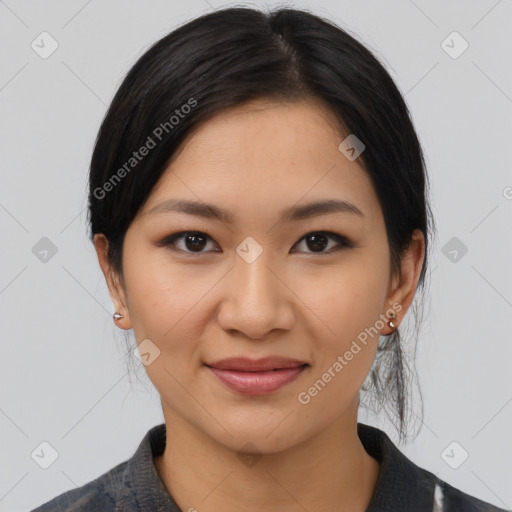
point(259, 437)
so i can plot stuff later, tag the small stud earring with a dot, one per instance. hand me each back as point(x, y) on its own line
point(391, 324)
point(117, 316)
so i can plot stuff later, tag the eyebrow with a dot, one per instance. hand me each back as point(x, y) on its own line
point(294, 213)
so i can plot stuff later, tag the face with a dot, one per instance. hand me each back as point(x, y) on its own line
point(266, 279)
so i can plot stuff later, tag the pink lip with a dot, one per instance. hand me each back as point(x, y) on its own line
point(259, 377)
point(245, 364)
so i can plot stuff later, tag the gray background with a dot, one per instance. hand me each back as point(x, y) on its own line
point(64, 377)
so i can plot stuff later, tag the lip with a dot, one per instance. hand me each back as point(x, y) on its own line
point(257, 377)
point(245, 364)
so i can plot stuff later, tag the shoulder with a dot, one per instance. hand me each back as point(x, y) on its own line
point(455, 500)
point(403, 486)
point(130, 486)
point(101, 494)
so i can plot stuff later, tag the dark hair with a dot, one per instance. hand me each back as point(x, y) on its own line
point(234, 55)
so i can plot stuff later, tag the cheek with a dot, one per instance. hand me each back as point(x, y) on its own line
point(348, 304)
point(350, 298)
point(164, 297)
point(166, 308)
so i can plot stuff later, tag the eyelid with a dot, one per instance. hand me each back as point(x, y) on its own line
point(342, 241)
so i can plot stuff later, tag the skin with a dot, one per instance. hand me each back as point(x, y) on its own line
point(204, 306)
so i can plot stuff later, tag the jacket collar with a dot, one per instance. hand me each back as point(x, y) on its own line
point(400, 481)
point(143, 488)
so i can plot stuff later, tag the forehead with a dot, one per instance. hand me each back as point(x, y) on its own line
point(262, 155)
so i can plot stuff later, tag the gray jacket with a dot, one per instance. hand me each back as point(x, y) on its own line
point(135, 485)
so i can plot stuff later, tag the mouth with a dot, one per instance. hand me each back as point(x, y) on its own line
point(244, 364)
point(257, 377)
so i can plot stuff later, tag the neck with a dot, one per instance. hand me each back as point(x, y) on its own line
point(331, 471)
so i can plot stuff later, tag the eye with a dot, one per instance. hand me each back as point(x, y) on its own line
point(319, 240)
point(193, 242)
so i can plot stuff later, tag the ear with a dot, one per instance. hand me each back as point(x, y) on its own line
point(114, 282)
point(404, 286)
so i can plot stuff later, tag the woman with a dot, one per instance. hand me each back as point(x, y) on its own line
point(258, 207)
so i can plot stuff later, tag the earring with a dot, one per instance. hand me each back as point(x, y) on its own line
point(391, 324)
point(117, 316)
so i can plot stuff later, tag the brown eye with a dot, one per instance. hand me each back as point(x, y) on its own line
point(195, 241)
point(317, 241)
point(192, 241)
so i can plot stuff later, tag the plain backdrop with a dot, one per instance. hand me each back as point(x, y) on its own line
point(63, 369)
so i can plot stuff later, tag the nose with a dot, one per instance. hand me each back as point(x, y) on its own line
point(256, 300)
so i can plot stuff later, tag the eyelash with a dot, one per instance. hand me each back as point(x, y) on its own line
point(170, 242)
